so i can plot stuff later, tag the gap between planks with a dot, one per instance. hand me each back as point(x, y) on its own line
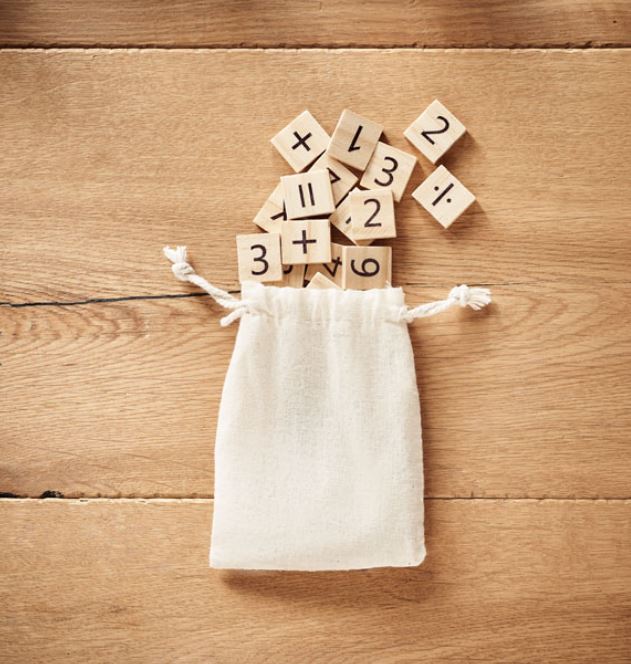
point(175, 296)
point(315, 48)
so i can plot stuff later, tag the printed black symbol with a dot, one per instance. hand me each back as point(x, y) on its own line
point(280, 215)
point(428, 133)
point(364, 271)
point(443, 193)
point(333, 176)
point(336, 263)
point(302, 194)
point(302, 140)
point(388, 172)
point(354, 147)
point(287, 269)
point(304, 242)
point(369, 222)
point(260, 259)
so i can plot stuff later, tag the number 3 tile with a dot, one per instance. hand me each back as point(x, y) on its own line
point(434, 131)
point(258, 255)
point(389, 167)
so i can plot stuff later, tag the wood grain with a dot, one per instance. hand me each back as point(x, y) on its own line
point(504, 581)
point(109, 155)
point(529, 398)
point(423, 23)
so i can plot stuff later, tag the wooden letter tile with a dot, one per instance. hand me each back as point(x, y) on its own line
point(443, 196)
point(308, 195)
point(306, 241)
point(372, 214)
point(434, 131)
point(389, 167)
point(342, 180)
point(332, 270)
point(367, 267)
point(258, 255)
point(320, 281)
point(301, 142)
point(272, 214)
point(341, 219)
point(354, 140)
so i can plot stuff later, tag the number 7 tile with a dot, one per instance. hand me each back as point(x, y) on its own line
point(434, 131)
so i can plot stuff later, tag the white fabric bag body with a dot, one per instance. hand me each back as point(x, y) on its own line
point(318, 456)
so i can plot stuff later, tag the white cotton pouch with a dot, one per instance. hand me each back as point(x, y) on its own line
point(318, 456)
point(318, 453)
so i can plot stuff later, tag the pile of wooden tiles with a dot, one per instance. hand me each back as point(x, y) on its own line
point(326, 191)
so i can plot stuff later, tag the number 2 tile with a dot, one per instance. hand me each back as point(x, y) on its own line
point(341, 219)
point(258, 255)
point(389, 167)
point(443, 196)
point(372, 214)
point(434, 131)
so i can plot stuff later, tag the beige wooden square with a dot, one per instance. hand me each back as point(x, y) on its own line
point(306, 241)
point(372, 214)
point(443, 196)
point(293, 277)
point(341, 219)
point(321, 282)
point(272, 214)
point(276, 196)
point(301, 142)
point(258, 255)
point(389, 167)
point(367, 267)
point(332, 270)
point(308, 195)
point(342, 179)
point(354, 140)
point(434, 131)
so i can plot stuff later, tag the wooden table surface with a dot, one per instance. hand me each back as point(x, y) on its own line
point(125, 126)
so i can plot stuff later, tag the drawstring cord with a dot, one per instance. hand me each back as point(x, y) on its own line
point(184, 271)
point(464, 296)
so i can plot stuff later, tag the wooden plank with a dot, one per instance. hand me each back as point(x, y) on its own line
point(529, 398)
point(275, 23)
point(503, 582)
point(108, 155)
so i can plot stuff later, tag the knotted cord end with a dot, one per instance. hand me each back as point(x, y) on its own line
point(181, 268)
point(474, 297)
